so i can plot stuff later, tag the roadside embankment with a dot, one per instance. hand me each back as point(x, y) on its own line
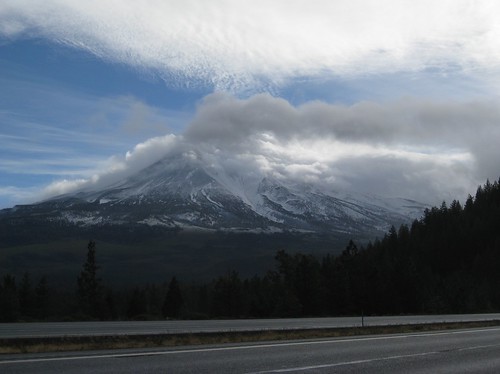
point(82, 342)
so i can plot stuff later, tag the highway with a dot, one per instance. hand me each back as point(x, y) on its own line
point(54, 329)
point(464, 351)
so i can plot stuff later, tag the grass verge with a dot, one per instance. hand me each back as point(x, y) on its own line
point(78, 343)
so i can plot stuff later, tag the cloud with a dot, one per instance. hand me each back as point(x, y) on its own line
point(407, 148)
point(13, 195)
point(116, 168)
point(239, 45)
point(227, 121)
point(53, 130)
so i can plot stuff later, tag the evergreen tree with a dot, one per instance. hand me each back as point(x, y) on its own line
point(138, 305)
point(26, 297)
point(42, 299)
point(90, 290)
point(227, 296)
point(9, 301)
point(110, 306)
point(173, 300)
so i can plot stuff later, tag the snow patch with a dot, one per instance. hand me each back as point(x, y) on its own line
point(157, 221)
point(205, 194)
point(82, 220)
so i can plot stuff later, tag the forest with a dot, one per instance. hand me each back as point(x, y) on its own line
point(448, 261)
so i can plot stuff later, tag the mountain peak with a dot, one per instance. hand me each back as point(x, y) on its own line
point(187, 191)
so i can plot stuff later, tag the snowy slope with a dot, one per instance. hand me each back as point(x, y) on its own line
point(188, 192)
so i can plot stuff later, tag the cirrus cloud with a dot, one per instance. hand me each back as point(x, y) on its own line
point(241, 45)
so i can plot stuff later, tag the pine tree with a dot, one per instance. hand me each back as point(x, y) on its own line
point(137, 305)
point(90, 289)
point(227, 296)
point(9, 301)
point(173, 300)
point(26, 297)
point(42, 299)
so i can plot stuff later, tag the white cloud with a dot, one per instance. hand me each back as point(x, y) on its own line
point(421, 150)
point(237, 44)
point(64, 186)
point(117, 168)
point(409, 148)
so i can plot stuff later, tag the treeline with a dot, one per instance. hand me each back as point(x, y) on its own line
point(24, 299)
point(446, 262)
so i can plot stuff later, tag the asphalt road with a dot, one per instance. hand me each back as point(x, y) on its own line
point(13, 330)
point(473, 351)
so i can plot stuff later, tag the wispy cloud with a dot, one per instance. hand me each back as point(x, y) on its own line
point(13, 195)
point(46, 126)
point(49, 132)
point(240, 44)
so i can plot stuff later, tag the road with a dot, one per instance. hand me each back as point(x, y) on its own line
point(474, 351)
point(19, 330)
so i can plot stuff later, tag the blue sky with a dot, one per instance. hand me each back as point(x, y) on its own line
point(389, 97)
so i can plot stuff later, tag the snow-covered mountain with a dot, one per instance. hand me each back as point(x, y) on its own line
point(186, 192)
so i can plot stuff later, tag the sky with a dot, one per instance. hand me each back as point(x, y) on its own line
point(396, 98)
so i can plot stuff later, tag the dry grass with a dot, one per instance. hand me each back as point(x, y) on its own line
point(79, 343)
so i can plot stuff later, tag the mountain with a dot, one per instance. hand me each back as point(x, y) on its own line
point(183, 215)
point(183, 193)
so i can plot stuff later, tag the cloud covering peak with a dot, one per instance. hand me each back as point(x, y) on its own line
point(241, 45)
point(407, 148)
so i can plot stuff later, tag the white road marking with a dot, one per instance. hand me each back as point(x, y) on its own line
point(356, 362)
point(243, 347)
